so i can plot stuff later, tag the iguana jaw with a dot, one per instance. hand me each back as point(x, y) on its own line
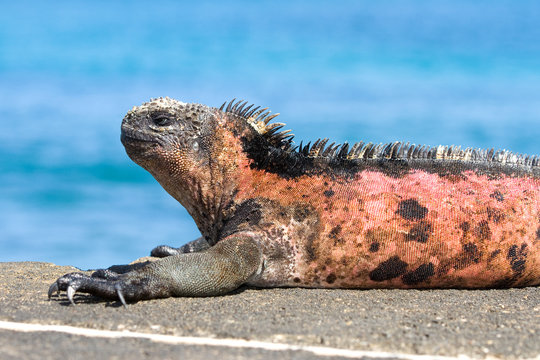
point(138, 145)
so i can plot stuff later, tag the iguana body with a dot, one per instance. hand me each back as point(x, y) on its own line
point(366, 216)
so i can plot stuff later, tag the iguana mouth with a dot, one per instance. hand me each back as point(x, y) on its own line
point(129, 136)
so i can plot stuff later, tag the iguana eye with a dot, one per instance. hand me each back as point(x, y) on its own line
point(195, 146)
point(161, 120)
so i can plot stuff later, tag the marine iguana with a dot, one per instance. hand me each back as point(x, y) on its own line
point(273, 214)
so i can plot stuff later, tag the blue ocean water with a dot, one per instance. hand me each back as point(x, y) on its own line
point(433, 72)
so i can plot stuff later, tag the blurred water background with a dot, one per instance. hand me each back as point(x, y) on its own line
point(433, 72)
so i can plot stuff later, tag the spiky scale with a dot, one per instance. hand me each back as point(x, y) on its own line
point(269, 118)
point(245, 111)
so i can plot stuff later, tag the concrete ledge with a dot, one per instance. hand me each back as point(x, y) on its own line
point(399, 324)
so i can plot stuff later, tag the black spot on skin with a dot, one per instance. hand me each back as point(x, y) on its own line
point(296, 280)
point(410, 209)
point(310, 248)
point(494, 254)
point(518, 266)
point(329, 193)
point(334, 234)
point(331, 278)
point(422, 273)
point(517, 257)
point(335, 231)
point(389, 269)
point(374, 247)
point(538, 233)
point(512, 252)
point(420, 232)
point(465, 226)
point(495, 214)
point(472, 252)
point(301, 213)
point(468, 256)
point(497, 196)
point(482, 231)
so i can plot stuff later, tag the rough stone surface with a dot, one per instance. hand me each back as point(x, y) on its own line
point(479, 323)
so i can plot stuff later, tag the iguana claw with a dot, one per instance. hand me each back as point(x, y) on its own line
point(70, 292)
point(60, 284)
point(120, 296)
point(53, 289)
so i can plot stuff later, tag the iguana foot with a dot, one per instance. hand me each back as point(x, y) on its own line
point(108, 286)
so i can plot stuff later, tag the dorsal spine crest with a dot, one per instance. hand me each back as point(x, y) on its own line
point(260, 119)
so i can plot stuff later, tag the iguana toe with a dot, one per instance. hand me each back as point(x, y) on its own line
point(164, 251)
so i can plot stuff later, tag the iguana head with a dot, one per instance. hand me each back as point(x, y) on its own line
point(165, 134)
point(176, 140)
point(189, 148)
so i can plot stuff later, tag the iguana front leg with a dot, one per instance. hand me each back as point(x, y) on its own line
point(216, 271)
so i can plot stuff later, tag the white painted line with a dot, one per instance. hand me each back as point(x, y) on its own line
point(232, 343)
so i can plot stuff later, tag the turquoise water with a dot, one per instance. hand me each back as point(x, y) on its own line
point(434, 72)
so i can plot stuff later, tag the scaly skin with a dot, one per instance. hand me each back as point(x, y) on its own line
point(270, 214)
point(417, 231)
